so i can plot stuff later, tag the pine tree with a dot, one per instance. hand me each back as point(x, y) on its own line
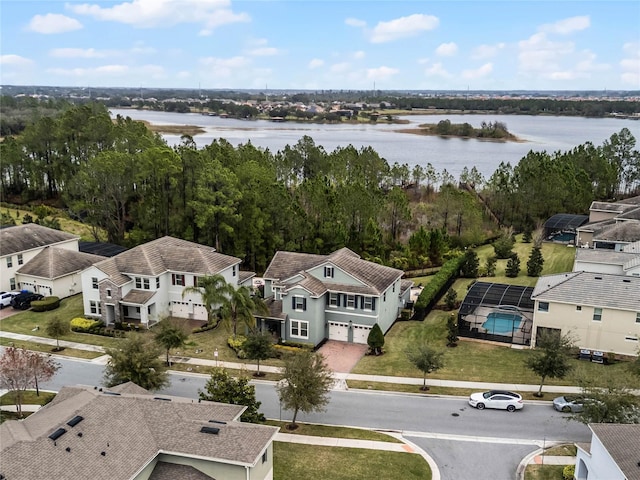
point(513, 266)
point(375, 340)
point(535, 262)
point(450, 299)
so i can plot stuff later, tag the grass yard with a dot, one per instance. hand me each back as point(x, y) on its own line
point(335, 432)
point(45, 348)
point(474, 361)
point(66, 224)
point(29, 397)
point(544, 472)
point(293, 461)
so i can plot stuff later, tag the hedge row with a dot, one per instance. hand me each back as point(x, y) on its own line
point(439, 283)
point(46, 304)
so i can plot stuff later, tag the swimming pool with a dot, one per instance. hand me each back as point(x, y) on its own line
point(502, 323)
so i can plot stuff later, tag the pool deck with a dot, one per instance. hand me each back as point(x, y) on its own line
point(521, 335)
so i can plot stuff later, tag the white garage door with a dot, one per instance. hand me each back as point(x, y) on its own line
point(360, 333)
point(199, 312)
point(180, 310)
point(338, 331)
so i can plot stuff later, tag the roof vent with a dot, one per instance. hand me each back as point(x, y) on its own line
point(626, 280)
point(107, 392)
point(211, 430)
point(598, 278)
point(103, 453)
point(218, 421)
point(160, 398)
point(75, 420)
point(57, 434)
point(68, 449)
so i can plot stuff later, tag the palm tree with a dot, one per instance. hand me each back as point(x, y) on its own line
point(215, 293)
point(171, 335)
point(240, 306)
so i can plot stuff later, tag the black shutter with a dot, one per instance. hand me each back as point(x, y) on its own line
point(293, 303)
point(373, 303)
point(361, 302)
point(304, 304)
point(338, 299)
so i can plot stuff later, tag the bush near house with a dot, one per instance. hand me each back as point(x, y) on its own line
point(46, 304)
point(440, 282)
point(236, 343)
point(83, 325)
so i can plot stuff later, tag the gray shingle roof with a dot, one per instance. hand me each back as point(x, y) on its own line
point(632, 214)
point(622, 442)
point(130, 429)
point(54, 262)
point(173, 471)
point(139, 297)
point(628, 231)
point(593, 289)
point(377, 277)
point(608, 207)
point(167, 254)
point(604, 255)
point(22, 238)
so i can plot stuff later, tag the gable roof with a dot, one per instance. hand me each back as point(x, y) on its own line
point(594, 289)
point(619, 440)
point(167, 254)
point(620, 232)
point(55, 262)
point(22, 238)
point(131, 429)
point(375, 278)
point(605, 256)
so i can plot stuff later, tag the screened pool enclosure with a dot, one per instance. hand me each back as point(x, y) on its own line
point(497, 312)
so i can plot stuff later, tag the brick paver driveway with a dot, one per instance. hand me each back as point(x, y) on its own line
point(342, 356)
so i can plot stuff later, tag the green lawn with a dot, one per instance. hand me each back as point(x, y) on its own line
point(293, 461)
point(471, 360)
point(334, 432)
point(46, 348)
point(544, 472)
point(29, 397)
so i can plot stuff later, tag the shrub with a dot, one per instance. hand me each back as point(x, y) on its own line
point(80, 324)
point(204, 328)
point(440, 281)
point(46, 304)
point(236, 343)
point(568, 472)
point(503, 246)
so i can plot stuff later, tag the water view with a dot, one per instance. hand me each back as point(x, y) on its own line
point(540, 133)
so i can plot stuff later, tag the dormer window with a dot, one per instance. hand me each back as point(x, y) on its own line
point(328, 272)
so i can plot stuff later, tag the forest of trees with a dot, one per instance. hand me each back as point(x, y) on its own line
point(128, 184)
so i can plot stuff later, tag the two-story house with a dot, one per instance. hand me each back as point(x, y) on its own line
point(611, 225)
point(599, 310)
point(599, 260)
point(146, 283)
point(42, 260)
point(338, 296)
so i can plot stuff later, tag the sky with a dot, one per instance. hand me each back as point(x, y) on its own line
point(322, 44)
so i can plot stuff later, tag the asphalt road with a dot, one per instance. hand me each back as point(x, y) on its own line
point(464, 442)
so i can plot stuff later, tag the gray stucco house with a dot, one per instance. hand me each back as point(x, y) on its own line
point(338, 296)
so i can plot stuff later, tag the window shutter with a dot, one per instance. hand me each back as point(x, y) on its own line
point(304, 304)
point(373, 304)
point(361, 302)
point(338, 299)
point(293, 303)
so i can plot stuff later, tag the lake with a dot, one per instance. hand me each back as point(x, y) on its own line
point(541, 133)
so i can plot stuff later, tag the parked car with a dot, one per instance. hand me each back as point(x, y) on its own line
point(568, 404)
point(22, 301)
point(500, 399)
point(6, 297)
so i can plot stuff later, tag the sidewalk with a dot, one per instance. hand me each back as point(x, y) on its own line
point(341, 378)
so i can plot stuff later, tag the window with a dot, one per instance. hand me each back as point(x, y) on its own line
point(368, 303)
point(95, 307)
point(233, 270)
point(20, 260)
point(94, 283)
point(384, 297)
point(9, 262)
point(149, 310)
point(265, 456)
point(299, 329)
point(277, 293)
point(630, 338)
point(351, 301)
point(12, 284)
point(597, 314)
point(108, 292)
point(138, 282)
point(543, 306)
point(145, 284)
point(177, 279)
point(299, 303)
point(157, 282)
point(638, 317)
point(578, 308)
point(328, 272)
point(334, 300)
point(394, 288)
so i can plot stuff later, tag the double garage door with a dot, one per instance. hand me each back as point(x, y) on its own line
point(340, 332)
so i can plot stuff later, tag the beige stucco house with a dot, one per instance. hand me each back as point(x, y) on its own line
point(612, 453)
point(600, 260)
point(128, 433)
point(611, 225)
point(601, 311)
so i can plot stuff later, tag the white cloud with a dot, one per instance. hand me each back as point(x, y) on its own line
point(263, 52)
point(79, 53)
point(586, 62)
point(486, 51)
point(354, 22)
point(403, 27)
point(540, 55)
point(437, 70)
point(359, 55)
point(184, 74)
point(104, 70)
point(480, 72)
point(340, 67)
point(161, 13)
point(15, 61)
point(53, 23)
point(315, 63)
point(224, 67)
point(567, 26)
point(381, 73)
point(630, 65)
point(447, 49)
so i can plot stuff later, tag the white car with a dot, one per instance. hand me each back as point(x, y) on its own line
point(5, 298)
point(500, 399)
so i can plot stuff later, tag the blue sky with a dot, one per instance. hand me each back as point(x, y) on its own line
point(341, 44)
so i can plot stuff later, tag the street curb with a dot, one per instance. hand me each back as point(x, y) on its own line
point(522, 466)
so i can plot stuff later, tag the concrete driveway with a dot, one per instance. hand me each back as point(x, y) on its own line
point(341, 357)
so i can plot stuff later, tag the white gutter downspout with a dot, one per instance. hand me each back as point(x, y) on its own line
point(247, 470)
